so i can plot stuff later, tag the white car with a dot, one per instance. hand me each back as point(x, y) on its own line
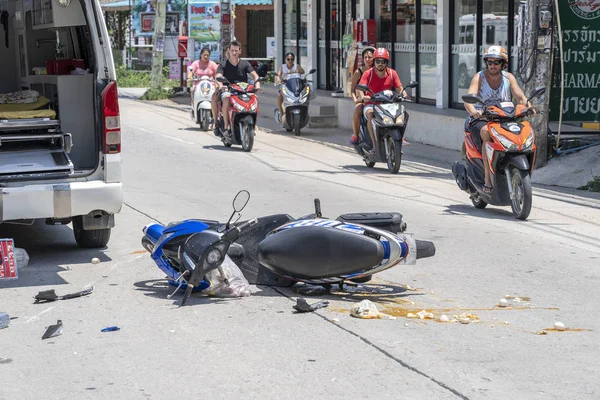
point(60, 137)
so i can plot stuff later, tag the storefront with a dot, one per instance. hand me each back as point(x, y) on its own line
point(435, 42)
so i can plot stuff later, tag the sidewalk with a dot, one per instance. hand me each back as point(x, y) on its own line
point(568, 171)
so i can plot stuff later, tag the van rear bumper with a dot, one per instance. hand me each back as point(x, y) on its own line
point(60, 200)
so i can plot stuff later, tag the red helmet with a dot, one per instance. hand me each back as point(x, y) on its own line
point(381, 53)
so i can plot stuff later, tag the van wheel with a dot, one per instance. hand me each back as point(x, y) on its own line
point(94, 238)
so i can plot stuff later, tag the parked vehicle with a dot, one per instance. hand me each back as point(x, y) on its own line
point(201, 109)
point(296, 99)
point(281, 251)
point(243, 113)
point(511, 156)
point(390, 120)
point(60, 133)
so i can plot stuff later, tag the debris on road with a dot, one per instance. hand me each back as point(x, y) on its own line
point(5, 360)
point(302, 306)
point(95, 260)
point(559, 326)
point(503, 303)
point(54, 330)
point(110, 329)
point(50, 295)
point(4, 320)
point(366, 309)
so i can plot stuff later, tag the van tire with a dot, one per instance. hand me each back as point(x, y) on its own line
point(94, 238)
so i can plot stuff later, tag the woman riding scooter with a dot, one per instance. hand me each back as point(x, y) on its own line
point(203, 67)
point(289, 67)
point(367, 59)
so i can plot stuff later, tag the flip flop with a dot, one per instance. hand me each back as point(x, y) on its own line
point(487, 189)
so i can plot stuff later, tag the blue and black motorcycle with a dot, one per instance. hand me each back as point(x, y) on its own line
point(278, 250)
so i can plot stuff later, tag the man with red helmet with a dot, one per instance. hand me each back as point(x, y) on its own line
point(378, 79)
point(492, 84)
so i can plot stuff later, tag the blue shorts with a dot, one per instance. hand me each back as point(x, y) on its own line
point(366, 108)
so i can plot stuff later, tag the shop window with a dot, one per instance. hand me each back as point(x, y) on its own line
point(490, 37)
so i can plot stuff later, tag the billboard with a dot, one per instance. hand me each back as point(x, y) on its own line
point(205, 27)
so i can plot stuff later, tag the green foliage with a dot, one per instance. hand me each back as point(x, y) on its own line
point(157, 94)
point(592, 186)
point(127, 78)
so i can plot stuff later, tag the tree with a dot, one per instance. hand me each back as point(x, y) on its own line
point(159, 44)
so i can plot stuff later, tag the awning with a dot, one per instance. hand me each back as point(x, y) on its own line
point(252, 2)
point(121, 5)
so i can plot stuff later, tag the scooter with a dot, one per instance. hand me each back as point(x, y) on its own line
point(511, 157)
point(243, 113)
point(297, 94)
point(201, 109)
point(312, 249)
point(389, 125)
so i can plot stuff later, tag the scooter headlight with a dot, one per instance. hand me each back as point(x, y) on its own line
point(400, 119)
point(388, 120)
point(528, 143)
point(504, 141)
point(205, 88)
point(214, 256)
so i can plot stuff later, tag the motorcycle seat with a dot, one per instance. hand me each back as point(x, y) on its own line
point(313, 252)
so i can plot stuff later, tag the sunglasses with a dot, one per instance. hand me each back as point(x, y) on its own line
point(289, 59)
point(494, 62)
point(379, 61)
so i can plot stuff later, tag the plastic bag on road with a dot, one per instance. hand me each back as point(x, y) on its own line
point(227, 281)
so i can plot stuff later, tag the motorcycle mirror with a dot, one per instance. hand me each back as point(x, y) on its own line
point(364, 88)
point(312, 71)
point(222, 79)
point(239, 202)
point(412, 84)
point(538, 91)
point(472, 99)
point(318, 208)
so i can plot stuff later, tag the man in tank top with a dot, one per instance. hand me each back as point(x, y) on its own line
point(492, 84)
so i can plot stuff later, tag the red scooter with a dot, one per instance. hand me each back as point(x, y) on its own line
point(243, 112)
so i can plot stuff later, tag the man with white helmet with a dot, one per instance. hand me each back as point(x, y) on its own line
point(492, 84)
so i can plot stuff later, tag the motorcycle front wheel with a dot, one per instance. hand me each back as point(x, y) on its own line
point(246, 136)
point(206, 115)
point(522, 196)
point(297, 124)
point(393, 154)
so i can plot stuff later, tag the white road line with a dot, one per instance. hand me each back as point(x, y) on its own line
point(37, 316)
point(163, 135)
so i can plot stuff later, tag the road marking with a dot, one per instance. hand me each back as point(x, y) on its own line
point(37, 316)
point(163, 135)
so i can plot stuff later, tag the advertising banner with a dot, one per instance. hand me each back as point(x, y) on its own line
point(205, 27)
point(144, 12)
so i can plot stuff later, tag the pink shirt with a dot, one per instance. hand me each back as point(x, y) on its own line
point(201, 69)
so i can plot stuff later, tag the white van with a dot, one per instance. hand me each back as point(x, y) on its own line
point(60, 138)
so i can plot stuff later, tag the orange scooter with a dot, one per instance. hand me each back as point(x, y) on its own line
point(510, 154)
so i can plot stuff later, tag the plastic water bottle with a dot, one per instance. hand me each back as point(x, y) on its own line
point(4, 320)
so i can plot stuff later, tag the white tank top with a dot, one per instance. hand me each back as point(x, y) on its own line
point(488, 94)
point(285, 71)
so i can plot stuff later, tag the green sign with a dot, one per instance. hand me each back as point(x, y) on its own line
point(580, 23)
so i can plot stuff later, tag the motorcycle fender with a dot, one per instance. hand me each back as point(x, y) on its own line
point(204, 105)
point(249, 120)
point(395, 133)
point(519, 161)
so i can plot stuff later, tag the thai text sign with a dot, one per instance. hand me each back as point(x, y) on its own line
point(580, 20)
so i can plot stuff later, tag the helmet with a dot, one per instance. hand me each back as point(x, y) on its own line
point(381, 53)
point(496, 52)
point(367, 48)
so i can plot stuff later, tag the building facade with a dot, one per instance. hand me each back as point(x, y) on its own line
point(438, 43)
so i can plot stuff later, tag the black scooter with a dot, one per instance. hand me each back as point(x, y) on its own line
point(296, 99)
point(389, 124)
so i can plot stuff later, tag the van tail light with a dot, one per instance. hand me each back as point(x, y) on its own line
point(112, 126)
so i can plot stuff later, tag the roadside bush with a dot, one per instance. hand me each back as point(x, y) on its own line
point(592, 186)
point(157, 94)
point(127, 78)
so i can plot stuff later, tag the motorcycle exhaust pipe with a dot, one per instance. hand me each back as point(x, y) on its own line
point(425, 249)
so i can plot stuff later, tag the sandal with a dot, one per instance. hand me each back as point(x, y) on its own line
point(487, 189)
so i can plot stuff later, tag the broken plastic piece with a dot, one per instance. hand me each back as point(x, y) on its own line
point(50, 295)
point(365, 309)
point(302, 306)
point(110, 329)
point(54, 330)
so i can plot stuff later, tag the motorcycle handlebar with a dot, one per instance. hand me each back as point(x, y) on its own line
point(425, 249)
point(246, 225)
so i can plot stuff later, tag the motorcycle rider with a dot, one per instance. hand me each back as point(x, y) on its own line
point(285, 69)
point(491, 85)
point(234, 70)
point(204, 66)
point(367, 59)
point(378, 79)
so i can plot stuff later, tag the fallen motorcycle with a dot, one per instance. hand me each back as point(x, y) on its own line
point(281, 251)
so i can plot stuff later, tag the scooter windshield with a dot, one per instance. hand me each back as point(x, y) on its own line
point(295, 85)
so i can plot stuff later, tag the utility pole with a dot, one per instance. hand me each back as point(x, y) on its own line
point(536, 64)
point(159, 44)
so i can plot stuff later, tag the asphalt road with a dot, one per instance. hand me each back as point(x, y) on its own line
point(256, 347)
